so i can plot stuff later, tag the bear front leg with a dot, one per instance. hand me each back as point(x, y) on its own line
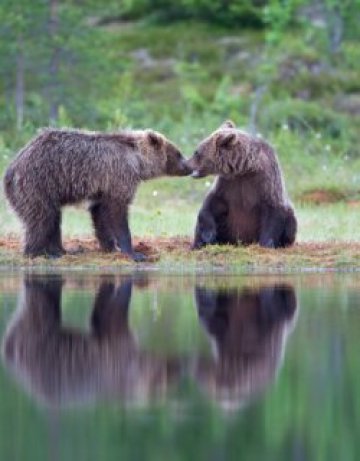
point(205, 231)
point(211, 219)
point(110, 312)
point(103, 226)
point(272, 225)
point(110, 220)
point(124, 238)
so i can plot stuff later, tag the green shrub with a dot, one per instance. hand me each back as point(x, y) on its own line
point(303, 117)
point(247, 13)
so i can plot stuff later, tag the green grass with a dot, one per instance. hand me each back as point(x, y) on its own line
point(173, 210)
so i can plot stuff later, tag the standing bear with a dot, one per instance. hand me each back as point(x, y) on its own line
point(248, 201)
point(60, 167)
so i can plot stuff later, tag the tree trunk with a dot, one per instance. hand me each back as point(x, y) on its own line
point(254, 108)
point(335, 27)
point(20, 85)
point(53, 86)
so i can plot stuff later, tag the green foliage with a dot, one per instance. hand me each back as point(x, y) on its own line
point(25, 34)
point(247, 13)
point(279, 15)
point(337, 19)
point(304, 117)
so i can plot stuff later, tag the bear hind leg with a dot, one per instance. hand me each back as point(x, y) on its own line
point(272, 226)
point(278, 227)
point(289, 234)
point(43, 234)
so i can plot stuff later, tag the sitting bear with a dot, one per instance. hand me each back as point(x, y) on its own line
point(248, 328)
point(248, 202)
point(60, 167)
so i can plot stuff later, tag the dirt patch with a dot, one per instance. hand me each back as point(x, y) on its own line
point(85, 249)
point(321, 196)
point(152, 248)
point(354, 203)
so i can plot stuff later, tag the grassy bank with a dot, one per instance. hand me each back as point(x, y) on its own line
point(173, 255)
point(328, 239)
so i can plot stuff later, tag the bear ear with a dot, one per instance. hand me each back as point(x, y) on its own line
point(228, 124)
point(225, 141)
point(154, 139)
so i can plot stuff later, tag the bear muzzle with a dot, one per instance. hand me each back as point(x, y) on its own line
point(197, 174)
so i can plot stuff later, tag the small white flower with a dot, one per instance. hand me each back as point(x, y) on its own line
point(318, 136)
point(155, 192)
point(285, 126)
point(328, 147)
point(207, 184)
point(324, 167)
point(258, 135)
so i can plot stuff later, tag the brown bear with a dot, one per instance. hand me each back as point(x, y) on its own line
point(248, 201)
point(60, 365)
point(248, 329)
point(60, 167)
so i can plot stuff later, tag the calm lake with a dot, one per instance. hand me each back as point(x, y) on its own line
point(150, 367)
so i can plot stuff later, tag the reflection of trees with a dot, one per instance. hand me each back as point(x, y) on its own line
point(60, 365)
point(248, 329)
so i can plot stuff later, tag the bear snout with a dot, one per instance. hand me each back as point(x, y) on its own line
point(196, 174)
point(193, 171)
point(178, 167)
point(198, 169)
point(185, 168)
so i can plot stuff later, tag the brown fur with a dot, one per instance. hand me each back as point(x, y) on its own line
point(60, 167)
point(60, 365)
point(248, 202)
point(248, 328)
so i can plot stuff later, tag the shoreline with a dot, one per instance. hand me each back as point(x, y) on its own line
point(173, 256)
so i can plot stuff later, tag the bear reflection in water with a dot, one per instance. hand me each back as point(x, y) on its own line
point(248, 329)
point(61, 366)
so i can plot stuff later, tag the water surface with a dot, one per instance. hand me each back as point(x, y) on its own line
point(179, 368)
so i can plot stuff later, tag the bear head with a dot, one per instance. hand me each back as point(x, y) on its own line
point(161, 157)
point(227, 151)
